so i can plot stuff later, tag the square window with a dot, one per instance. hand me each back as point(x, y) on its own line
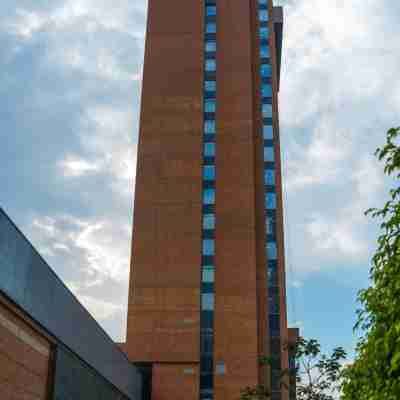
point(211, 27)
point(268, 133)
point(269, 177)
point(264, 51)
point(209, 106)
point(209, 149)
point(265, 70)
point(270, 201)
point(211, 65)
point(210, 86)
point(269, 155)
point(263, 15)
point(211, 11)
point(272, 252)
point(209, 221)
point(208, 196)
point(266, 91)
point(211, 46)
point(208, 247)
point(208, 274)
point(209, 127)
point(207, 301)
point(209, 172)
point(264, 32)
point(267, 110)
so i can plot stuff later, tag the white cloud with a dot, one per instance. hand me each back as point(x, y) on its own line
point(75, 167)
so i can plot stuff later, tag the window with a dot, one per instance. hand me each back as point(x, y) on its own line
point(207, 275)
point(210, 86)
point(211, 11)
point(266, 91)
point(269, 177)
point(262, 2)
point(211, 46)
point(263, 15)
point(270, 225)
point(265, 70)
point(208, 247)
point(264, 32)
point(267, 110)
point(209, 149)
point(211, 27)
point(269, 155)
point(268, 132)
point(208, 172)
point(209, 126)
point(270, 201)
point(264, 51)
point(208, 221)
point(207, 301)
point(208, 196)
point(211, 65)
point(209, 106)
point(271, 251)
point(220, 368)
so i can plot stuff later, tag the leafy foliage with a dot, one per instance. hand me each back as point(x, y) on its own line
point(318, 375)
point(375, 374)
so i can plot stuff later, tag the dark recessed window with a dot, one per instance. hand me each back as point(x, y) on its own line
point(269, 155)
point(270, 201)
point(264, 32)
point(263, 15)
point(269, 177)
point(272, 252)
point(266, 70)
point(207, 301)
point(266, 91)
point(270, 225)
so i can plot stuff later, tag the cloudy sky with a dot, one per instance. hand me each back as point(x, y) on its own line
point(70, 77)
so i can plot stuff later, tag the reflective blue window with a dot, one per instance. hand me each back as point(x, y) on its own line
point(211, 11)
point(268, 132)
point(269, 225)
point(211, 46)
point(270, 201)
point(208, 274)
point(210, 86)
point(264, 51)
point(267, 110)
point(209, 149)
point(269, 177)
point(265, 70)
point(208, 172)
point(208, 247)
point(209, 106)
point(272, 252)
point(262, 2)
point(207, 301)
point(263, 15)
point(209, 221)
point(211, 65)
point(266, 91)
point(209, 196)
point(269, 154)
point(264, 32)
point(209, 126)
point(211, 27)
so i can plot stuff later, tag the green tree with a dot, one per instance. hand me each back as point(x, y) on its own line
point(375, 373)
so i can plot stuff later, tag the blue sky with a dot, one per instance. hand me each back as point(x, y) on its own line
point(70, 75)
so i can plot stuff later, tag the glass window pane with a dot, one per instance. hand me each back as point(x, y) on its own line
point(271, 251)
point(211, 65)
point(268, 132)
point(266, 91)
point(210, 86)
point(270, 201)
point(264, 51)
point(267, 110)
point(265, 70)
point(262, 2)
point(264, 32)
point(269, 177)
point(270, 225)
point(208, 247)
point(208, 274)
point(263, 15)
point(211, 46)
point(209, 149)
point(211, 27)
point(209, 196)
point(269, 155)
point(209, 126)
point(208, 221)
point(211, 11)
point(208, 172)
point(207, 301)
point(209, 106)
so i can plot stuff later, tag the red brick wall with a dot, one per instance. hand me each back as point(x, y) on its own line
point(24, 360)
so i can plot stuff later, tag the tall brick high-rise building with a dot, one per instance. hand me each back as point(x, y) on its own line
point(207, 288)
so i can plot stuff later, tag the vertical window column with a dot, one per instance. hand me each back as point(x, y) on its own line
point(208, 210)
point(273, 296)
